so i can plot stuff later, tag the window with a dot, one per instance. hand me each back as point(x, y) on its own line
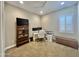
point(62, 23)
point(66, 24)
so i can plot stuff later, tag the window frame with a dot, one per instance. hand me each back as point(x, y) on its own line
point(65, 31)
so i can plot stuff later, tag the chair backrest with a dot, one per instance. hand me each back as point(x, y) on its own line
point(41, 34)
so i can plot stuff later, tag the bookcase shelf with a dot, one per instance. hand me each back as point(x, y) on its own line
point(22, 32)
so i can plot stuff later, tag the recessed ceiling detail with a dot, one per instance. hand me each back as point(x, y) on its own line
point(45, 6)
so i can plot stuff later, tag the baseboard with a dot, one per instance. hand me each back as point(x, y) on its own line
point(10, 47)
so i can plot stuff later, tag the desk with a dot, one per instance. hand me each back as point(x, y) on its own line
point(35, 36)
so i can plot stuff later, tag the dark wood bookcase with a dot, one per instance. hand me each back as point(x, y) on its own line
point(22, 31)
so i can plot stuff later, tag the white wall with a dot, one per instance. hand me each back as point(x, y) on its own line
point(78, 16)
point(0, 28)
point(78, 22)
point(11, 14)
point(50, 21)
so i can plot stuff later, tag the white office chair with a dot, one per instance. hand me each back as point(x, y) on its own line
point(50, 36)
point(41, 35)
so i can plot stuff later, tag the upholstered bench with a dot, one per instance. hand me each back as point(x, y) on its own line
point(67, 41)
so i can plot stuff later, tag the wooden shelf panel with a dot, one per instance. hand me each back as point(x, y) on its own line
point(22, 39)
point(21, 43)
point(22, 32)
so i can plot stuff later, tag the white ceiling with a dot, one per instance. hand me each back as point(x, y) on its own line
point(46, 6)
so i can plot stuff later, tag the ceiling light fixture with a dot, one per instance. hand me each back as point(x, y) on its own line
point(41, 12)
point(21, 2)
point(62, 3)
